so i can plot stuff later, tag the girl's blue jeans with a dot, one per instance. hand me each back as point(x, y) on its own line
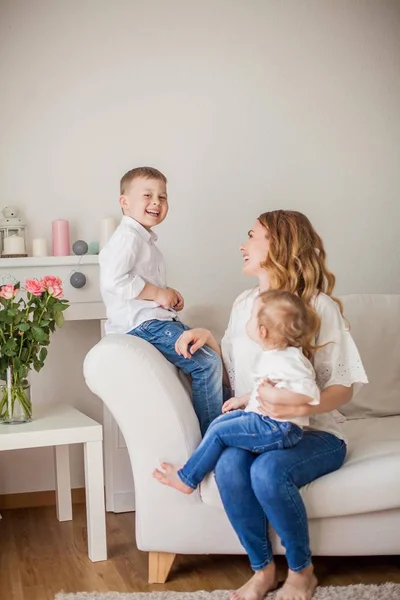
point(237, 429)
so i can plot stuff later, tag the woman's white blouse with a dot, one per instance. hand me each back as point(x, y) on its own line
point(337, 363)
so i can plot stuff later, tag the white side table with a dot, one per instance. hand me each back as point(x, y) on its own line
point(60, 426)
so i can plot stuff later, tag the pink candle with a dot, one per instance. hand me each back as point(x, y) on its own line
point(61, 245)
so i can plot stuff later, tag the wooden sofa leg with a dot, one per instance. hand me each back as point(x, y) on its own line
point(160, 564)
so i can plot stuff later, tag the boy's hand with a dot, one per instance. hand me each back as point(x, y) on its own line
point(169, 298)
point(232, 404)
point(181, 302)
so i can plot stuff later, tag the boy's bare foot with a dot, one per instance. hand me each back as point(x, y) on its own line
point(169, 476)
point(298, 586)
point(258, 586)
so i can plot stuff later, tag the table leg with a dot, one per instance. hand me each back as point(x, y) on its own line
point(95, 509)
point(63, 483)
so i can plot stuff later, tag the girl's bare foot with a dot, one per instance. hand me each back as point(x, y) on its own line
point(169, 476)
point(258, 586)
point(298, 586)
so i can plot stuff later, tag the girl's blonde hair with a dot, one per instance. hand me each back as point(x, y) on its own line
point(288, 320)
point(296, 260)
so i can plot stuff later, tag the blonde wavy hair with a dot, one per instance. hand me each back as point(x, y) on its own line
point(296, 260)
point(288, 320)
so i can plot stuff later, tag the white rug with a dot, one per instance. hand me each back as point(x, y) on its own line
point(387, 591)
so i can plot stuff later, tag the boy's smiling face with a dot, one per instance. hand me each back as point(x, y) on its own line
point(145, 201)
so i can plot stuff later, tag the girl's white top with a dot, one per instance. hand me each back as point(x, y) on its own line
point(337, 363)
point(289, 369)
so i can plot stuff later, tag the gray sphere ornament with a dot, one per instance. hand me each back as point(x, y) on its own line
point(77, 280)
point(80, 247)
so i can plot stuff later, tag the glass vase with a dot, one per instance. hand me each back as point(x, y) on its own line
point(15, 400)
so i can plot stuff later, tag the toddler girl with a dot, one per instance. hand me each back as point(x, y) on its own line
point(285, 329)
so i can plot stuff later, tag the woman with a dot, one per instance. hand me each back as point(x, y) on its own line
point(284, 252)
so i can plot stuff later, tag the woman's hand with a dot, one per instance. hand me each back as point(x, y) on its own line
point(197, 337)
point(268, 398)
point(266, 391)
point(332, 398)
point(284, 412)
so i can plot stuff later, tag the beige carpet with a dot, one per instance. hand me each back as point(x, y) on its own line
point(387, 591)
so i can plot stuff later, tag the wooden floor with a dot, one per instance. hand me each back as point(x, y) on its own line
point(40, 556)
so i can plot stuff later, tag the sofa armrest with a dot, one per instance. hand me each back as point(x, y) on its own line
point(153, 409)
point(149, 402)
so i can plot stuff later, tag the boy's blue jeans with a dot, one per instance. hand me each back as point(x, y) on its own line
point(205, 367)
point(237, 429)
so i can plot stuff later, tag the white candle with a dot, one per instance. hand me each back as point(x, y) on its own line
point(14, 245)
point(108, 226)
point(39, 247)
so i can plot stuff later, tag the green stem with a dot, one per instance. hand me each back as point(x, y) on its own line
point(29, 355)
point(44, 308)
point(21, 345)
point(18, 395)
point(28, 307)
point(40, 318)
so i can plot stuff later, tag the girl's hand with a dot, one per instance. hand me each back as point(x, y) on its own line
point(197, 337)
point(232, 404)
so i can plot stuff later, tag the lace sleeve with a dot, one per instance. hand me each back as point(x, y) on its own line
point(227, 354)
point(235, 342)
point(338, 362)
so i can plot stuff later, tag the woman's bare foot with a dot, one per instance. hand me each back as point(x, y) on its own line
point(298, 586)
point(258, 586)
point(169, 476)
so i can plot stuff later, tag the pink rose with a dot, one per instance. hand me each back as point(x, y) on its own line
point(50, 280)
point(35, 287)
point(8, 291)
point(55, 290)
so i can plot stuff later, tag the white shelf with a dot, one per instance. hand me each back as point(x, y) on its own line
point(85, 303)
point(48, 261)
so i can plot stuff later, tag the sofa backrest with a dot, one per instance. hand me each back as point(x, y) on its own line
point(375, 326)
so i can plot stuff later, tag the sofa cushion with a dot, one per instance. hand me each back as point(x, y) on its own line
point(375, 325)
point(369, 480)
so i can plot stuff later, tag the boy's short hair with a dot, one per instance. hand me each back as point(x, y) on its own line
point(145, 172)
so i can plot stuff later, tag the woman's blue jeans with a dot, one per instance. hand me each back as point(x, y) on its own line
point(260, 490)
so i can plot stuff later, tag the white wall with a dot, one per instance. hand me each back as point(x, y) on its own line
point(246, 105)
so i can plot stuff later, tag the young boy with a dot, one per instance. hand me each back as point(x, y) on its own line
point(135, 293)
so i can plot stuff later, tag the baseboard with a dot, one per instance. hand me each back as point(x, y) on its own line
point(36, 499)
point(123, 501)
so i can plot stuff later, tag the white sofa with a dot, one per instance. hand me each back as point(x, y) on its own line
point(355, 511)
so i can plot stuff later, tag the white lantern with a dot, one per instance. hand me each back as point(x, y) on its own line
point(12, 233)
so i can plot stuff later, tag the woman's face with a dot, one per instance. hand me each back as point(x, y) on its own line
point(255, 250)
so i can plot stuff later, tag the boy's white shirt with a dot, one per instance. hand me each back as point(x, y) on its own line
point(288, 369)
point(128, 261)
